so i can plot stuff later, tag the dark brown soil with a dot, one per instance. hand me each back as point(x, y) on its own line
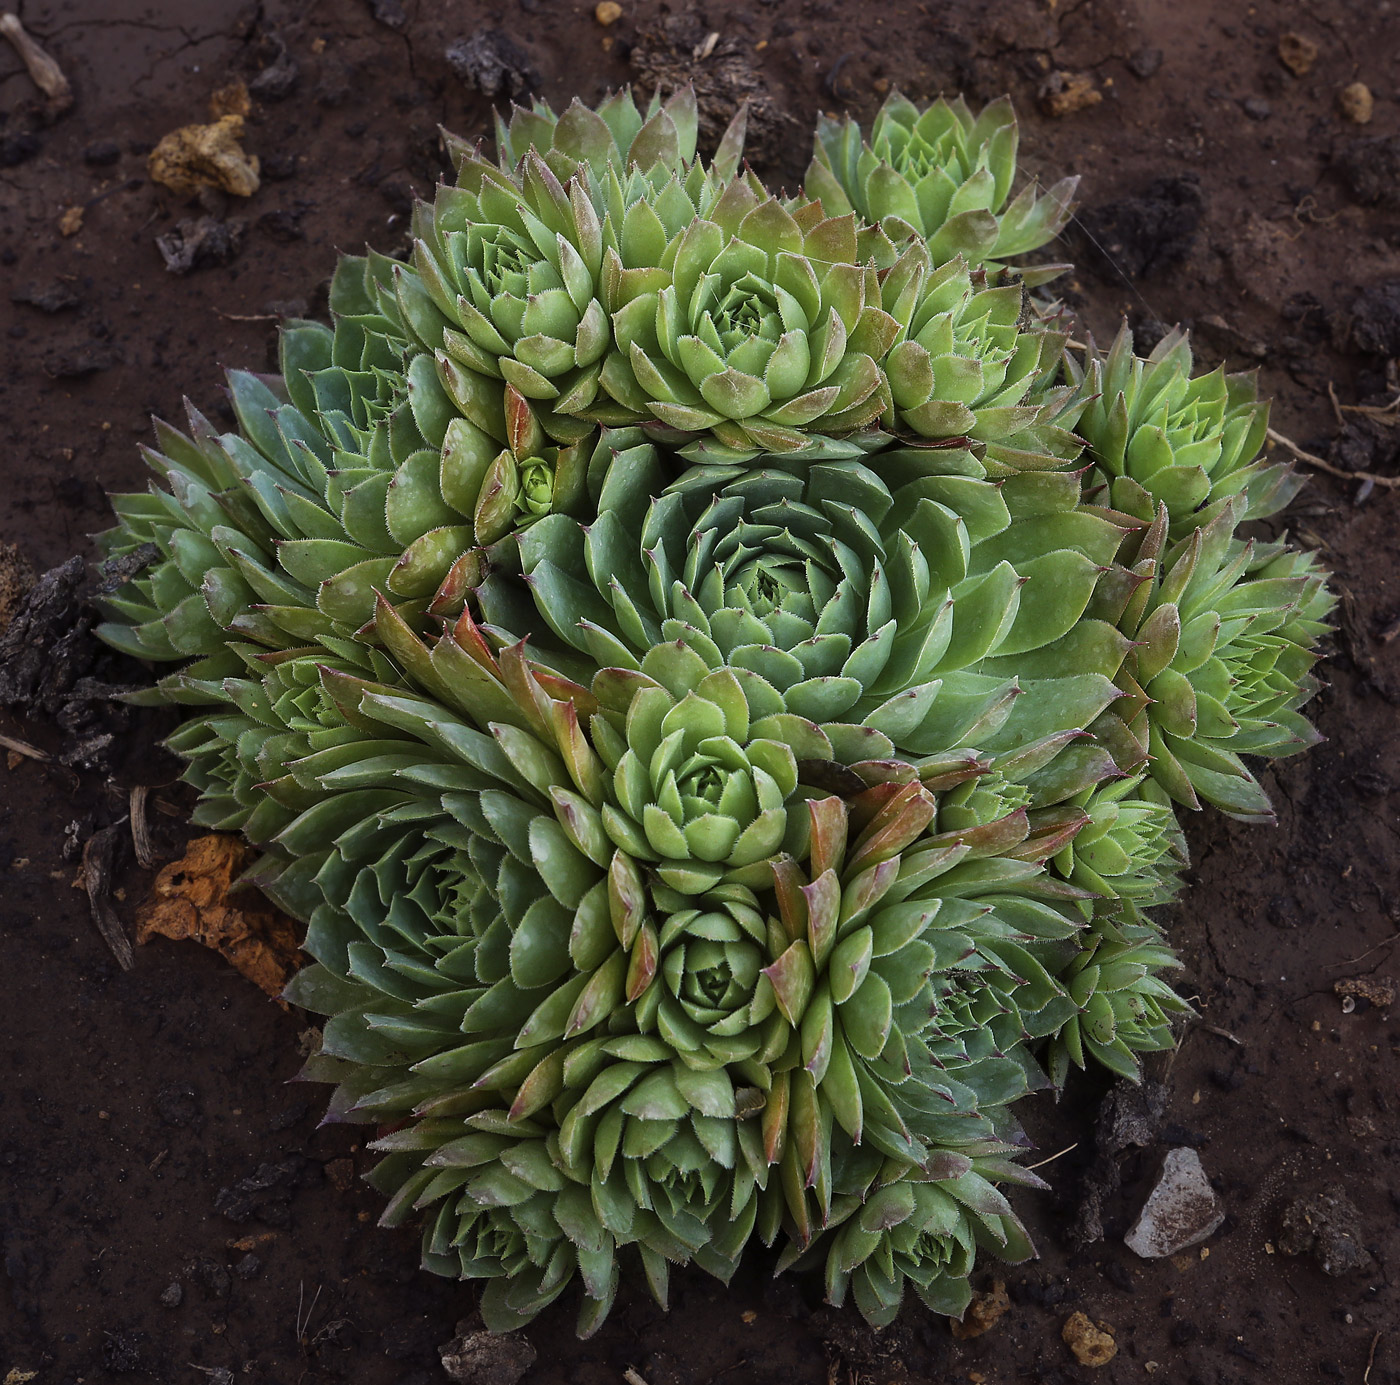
point(168, 1206)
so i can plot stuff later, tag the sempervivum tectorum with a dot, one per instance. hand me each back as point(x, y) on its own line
point(605, 1062)
point(1125, 1008)
point(941, 175)
point(922, 1226)
point(967, 364)
point(350, 474)
point(1225, 637)
point(1159, 437)
point(924, 610)
point(617, 133)
point(721, 733)
point(767, 330)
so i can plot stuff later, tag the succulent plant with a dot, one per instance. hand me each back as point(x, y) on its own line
point(720, 733)
point(942, 175)
point(962, 367)
point(766, 330)
point(1130, 848)
point(1226, 636)
point(617, 134)
point(1158, 436)
point(1125, 1008)
point(926, 1229)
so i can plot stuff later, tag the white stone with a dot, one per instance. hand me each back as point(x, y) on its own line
point(1181, 1211)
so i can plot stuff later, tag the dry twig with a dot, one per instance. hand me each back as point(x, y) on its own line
point(1389, 482)
point(99, 852)
point(45, 72)
point(31, 752)
point(140, 830)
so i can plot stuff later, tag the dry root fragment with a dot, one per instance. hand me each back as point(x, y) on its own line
point(190, 899)
point(43, 70)
point(1092, 1345)
point(200, 156)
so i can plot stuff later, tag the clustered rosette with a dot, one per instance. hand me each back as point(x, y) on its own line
point(716, 683)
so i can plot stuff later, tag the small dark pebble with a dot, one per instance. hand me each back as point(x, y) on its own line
point(1146, 62)
point(82, 361)
point(18, 149)
point(1256, 108)
point(1375, 319)
point(284, 1120)
point(173, 1295)
point(1370, 168)
point(1118, 1276)
point(248, 1267)
point(1227, 1079)
point(493, 63)
point(103, 153)
point(212, 1276)
point(389, 13)
point(277, 168)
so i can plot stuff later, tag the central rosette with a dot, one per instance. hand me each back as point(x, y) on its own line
point(695, 789)
point(712, 953)
point(816, 577)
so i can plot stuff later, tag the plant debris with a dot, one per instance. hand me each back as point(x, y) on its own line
point(682, 48)
point(205, 156)
point(43, 70)
point(493, 63)
point(200, 243)
point(190, 899)
point(99, 859)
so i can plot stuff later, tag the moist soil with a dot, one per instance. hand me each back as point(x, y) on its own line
point(169, 1206)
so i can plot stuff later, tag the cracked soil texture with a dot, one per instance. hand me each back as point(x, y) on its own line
point(131, 1101)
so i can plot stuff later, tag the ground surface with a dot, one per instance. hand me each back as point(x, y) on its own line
point(130, 1100)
